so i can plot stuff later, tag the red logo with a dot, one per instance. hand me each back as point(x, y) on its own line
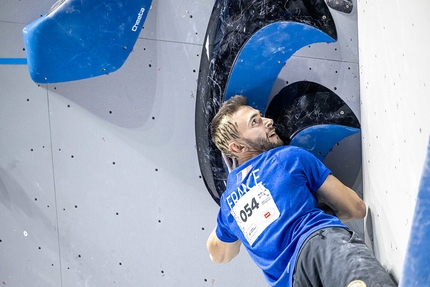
point(267, 215)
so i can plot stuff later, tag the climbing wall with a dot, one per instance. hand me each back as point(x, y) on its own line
point(100, 183)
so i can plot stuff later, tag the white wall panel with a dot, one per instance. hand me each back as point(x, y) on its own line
point(394, 75)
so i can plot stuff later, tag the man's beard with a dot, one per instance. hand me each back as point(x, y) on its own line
point(262, 144)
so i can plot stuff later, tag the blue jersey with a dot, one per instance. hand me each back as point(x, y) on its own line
point(270, 206)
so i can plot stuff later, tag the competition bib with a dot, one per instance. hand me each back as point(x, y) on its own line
point(254, 212)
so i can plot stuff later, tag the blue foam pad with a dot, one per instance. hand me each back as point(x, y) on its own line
point(80, 39)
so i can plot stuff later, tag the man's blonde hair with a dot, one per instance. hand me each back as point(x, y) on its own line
point(223, 128)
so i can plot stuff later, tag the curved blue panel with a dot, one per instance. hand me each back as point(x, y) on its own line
point(320, 139)
point(263, 56)
point(81, 39)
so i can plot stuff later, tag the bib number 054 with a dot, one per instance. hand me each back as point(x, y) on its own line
point(254, 212)
point(247, 210)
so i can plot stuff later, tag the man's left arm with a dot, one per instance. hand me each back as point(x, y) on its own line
point(341, 199)
point(220, 251)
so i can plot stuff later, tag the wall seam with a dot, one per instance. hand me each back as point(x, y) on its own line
point(54, 185)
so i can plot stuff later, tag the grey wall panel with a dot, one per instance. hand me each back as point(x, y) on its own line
point(23, 11)
point(132, 206)
point(178, 21)
point(340, 77)
point(29, 250)
point(345, 49)
point(121, 173)
point(116, 199)
point(12, 45)
point(334, 65)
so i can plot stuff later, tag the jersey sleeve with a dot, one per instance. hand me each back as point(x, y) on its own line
point(223, 232)
point(316, 172)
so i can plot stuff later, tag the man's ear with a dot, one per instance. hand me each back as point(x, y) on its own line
point(236, 147)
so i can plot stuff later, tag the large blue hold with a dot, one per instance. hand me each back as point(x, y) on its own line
point(80, 39)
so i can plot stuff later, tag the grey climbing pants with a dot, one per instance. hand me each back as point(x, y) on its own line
point(338, 257)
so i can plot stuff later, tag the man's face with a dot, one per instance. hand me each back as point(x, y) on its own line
point(256, 132)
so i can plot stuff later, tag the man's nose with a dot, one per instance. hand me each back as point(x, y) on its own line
point(268, 122)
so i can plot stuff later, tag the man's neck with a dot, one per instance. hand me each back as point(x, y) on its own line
point(247, 156)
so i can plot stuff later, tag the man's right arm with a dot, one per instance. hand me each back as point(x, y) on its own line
point(222, 252)
point(344, 201)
